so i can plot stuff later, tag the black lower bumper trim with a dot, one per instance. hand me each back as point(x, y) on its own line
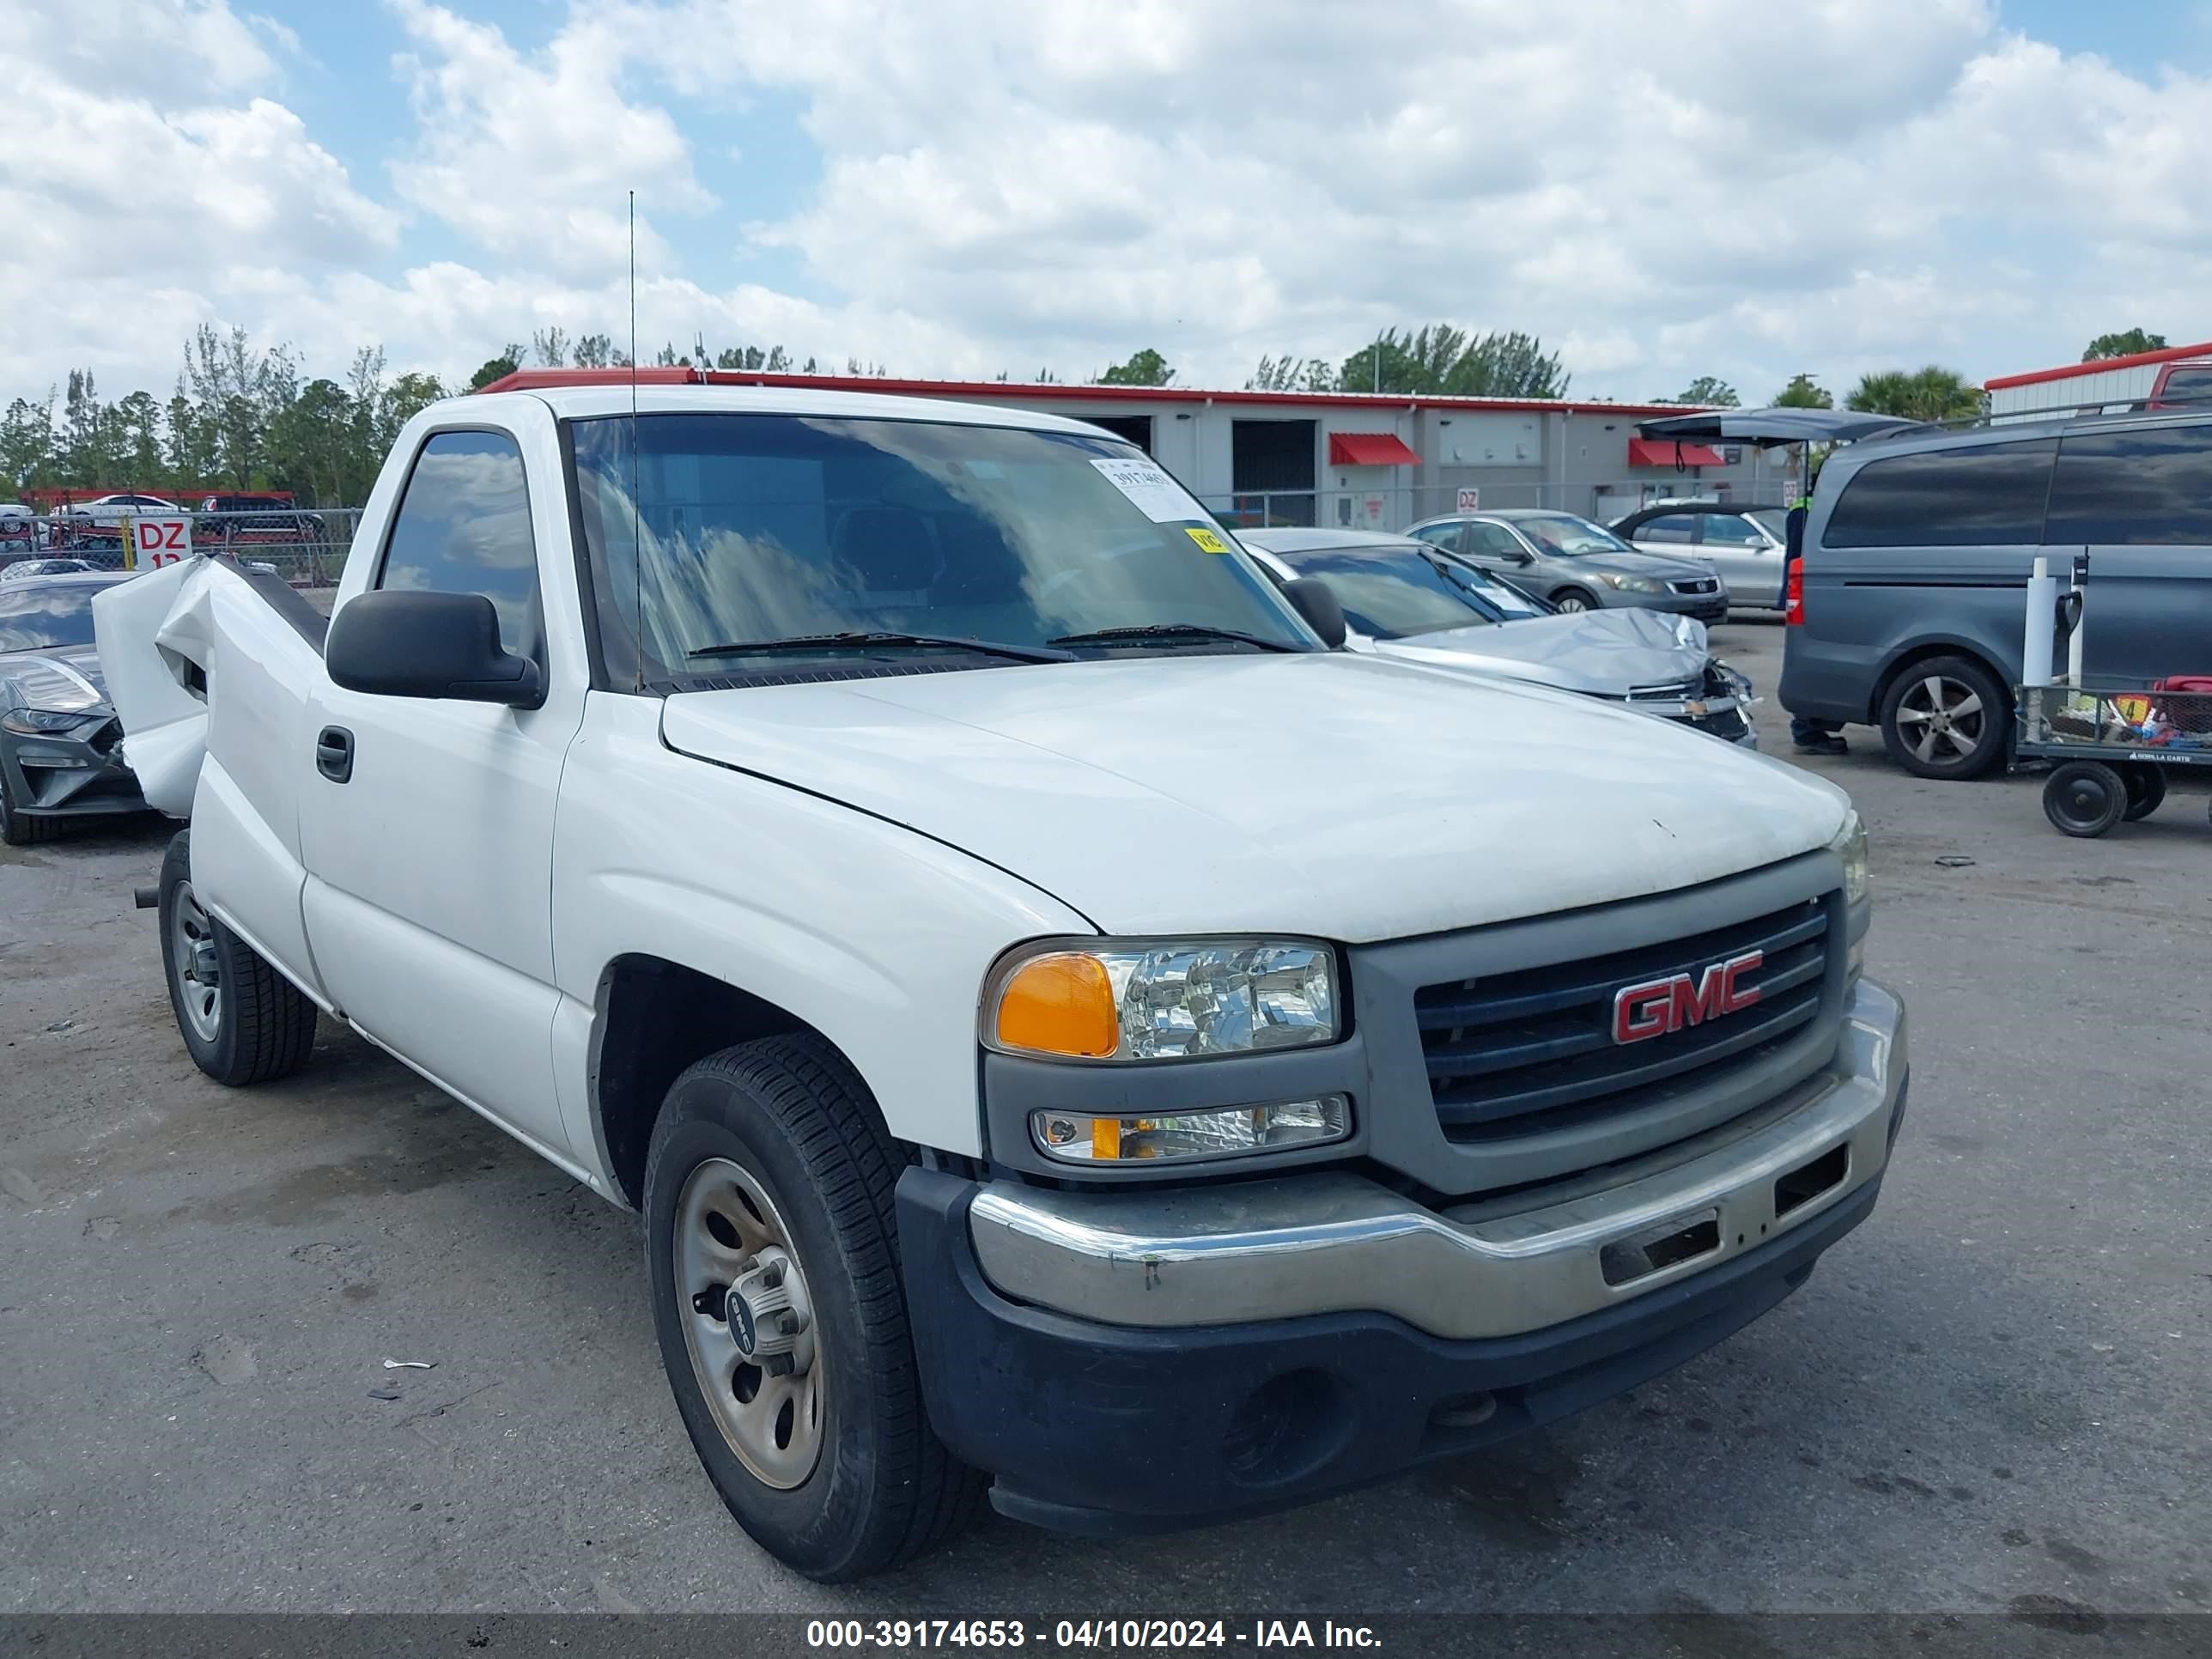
point(1106, 1430)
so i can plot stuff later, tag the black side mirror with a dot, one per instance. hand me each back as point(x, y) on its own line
point(402, 644)
point(1315, 601)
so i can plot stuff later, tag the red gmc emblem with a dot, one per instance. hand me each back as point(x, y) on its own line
point(1660, 1006)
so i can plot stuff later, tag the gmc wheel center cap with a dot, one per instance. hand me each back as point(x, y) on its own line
point(743, 1329)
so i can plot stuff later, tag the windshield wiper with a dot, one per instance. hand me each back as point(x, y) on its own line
point(1170, 633)
point(862, 639)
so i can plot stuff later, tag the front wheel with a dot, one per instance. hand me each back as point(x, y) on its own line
point(17, 829)
point(242, 1021)
point(1947, 718)
point(1572, 600)
point(772, 1244)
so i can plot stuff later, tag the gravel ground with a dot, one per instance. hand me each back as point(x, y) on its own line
point(1990, 1398)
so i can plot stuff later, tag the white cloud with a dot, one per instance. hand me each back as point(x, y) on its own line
point(1658, 191)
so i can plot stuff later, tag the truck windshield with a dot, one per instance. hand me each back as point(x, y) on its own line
point(768, 529)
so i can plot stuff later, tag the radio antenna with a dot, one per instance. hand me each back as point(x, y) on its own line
point(636, 508)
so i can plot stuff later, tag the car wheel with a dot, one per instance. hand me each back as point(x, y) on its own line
point(772, 1245)
point(20, 828)
point(1949, 718)
point(2084, 799)
point(242, 1021)
point(2146, 790)
point(1573, 599)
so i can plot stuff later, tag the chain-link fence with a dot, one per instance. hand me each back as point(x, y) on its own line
point(307, 547)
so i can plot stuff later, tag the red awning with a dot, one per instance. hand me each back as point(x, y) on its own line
point(1369, 449)
point(1660, 451)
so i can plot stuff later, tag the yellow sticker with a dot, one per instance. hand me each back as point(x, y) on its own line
point(1207, 540)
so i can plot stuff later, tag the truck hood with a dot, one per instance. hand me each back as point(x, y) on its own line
point(1330, 794)
point(1605, 652)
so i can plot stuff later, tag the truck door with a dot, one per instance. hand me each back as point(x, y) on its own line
point(428, 823)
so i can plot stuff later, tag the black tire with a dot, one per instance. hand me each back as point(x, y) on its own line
point(20, 828)
point(1574, 599)
point(1948, 718)
point(257, 1026)
point(791, 1115)
point(2146, 790)
point(2084, 799)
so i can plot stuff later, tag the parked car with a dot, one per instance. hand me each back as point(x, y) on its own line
point(1577, 565)
point(1066, 1025)
point(22, 570)
point(1410, 600)
point(1741, 542)
point(19, 527)
point(246, 518)
point(1906, 610)
point(100, 519)
point(59, 758)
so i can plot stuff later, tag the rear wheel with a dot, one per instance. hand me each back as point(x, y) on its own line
point(2084, 799)
point(1948, 718)
point(18, 828)
point(2146, 790)
point(242, 1021)
point(1573, 599)
point(772, 1243)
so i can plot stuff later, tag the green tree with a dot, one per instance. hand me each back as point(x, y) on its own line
point(27, 444)
point(1145, 368)
point(315, 444)
point(1385, 365)
point(2125, 343)
point(593, 351)
point(1293, 374)
point(1802, 393)
point(751, 360)
point(1710, 392)
point(552, 346)
point(499, 367)
point(410, 394)
point(1933, 394)
point(1511, 364)
point(140, 418)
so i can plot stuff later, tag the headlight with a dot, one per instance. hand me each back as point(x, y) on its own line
point(1162, 999)
point(41, 722)
point(1632, 584)
point(1226, 1132)
point(1851, 845)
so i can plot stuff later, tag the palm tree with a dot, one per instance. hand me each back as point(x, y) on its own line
point(1933, 394)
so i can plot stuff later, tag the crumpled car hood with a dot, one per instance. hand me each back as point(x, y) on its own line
point(1332, 794)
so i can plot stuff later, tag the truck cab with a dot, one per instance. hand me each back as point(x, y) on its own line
point(1070, 1031)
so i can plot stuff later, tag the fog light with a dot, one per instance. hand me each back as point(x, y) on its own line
point(1225, 1132)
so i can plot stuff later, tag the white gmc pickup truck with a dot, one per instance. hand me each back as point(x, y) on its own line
point(1070, 1031)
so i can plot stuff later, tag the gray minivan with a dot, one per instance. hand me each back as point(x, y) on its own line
point(1912, 600)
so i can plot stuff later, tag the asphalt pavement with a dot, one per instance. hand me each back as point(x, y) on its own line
point(1990, 1399)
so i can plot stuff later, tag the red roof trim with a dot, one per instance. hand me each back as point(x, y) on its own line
point(1664, 452)
point(2070, 371)
point(1369, 449)
point(535, 379)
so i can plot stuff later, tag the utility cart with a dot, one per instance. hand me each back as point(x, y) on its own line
point(2112, 747)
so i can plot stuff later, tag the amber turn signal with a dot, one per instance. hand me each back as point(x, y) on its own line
point(1061, 1004)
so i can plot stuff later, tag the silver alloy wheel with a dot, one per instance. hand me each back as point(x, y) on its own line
point(749, 1322)
point(1942, 719)
point(199, 973)
point(1570, 602)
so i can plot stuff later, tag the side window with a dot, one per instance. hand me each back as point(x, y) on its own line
point(464, 527)
point(2150, 488)
point(1728, 531)
point(1492, 541)
point(1668, 527)
point(1445, 535)
point(1989, 495)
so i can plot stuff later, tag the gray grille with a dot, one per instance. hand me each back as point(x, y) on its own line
point(1698, 585)
point(1515, 1053)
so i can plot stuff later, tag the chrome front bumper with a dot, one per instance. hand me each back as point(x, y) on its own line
point(1336, 1242)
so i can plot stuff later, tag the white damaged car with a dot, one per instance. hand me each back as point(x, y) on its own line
point(1404, 598)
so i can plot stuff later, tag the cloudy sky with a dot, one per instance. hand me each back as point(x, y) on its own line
point(957, 187)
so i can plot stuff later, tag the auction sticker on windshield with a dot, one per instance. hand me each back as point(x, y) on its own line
point(1155, 494)
point(1207, 540)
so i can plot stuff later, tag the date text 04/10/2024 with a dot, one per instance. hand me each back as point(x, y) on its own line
point(1085, 1633)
